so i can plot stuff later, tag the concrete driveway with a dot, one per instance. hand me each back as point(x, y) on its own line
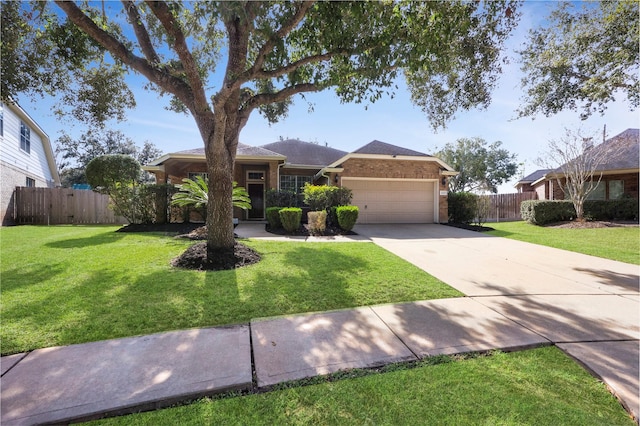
point(588, 306)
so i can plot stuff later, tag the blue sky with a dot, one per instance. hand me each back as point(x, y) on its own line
point(350, 126)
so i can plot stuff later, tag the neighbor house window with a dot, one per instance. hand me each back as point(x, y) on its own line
point(616, 189)
point(30, 183)
point(25, 138)
point(205, 176)
point(598, 192)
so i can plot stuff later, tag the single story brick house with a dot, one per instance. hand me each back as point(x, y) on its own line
point(620, 172)
point(390, 184)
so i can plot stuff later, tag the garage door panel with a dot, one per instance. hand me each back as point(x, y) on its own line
point(389, 201)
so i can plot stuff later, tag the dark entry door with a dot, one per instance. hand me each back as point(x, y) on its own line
point(256, 193)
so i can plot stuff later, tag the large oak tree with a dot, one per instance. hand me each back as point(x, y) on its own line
point(583, 57)
point(220, 61)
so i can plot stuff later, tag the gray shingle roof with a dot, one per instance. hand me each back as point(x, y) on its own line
point(383, 148)
point(624, 149)
point(243, 150)
point(305, 153)
point(534, 176)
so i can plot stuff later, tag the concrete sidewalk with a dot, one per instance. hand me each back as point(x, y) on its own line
point(588, 307)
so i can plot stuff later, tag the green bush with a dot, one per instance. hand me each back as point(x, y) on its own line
point(276, 198)
point(462, 207)
point(317, 222)
point(273, 217)
point(624, 209)
point(317, 197)
point(541, 212)
point(290, 218)
point(347, 216)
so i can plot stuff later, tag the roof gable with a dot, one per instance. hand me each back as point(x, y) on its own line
point(305, 153)
point(534, 176)
point(382, 148)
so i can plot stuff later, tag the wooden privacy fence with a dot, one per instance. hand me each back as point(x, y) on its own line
point(506, 207)
point(57, 206)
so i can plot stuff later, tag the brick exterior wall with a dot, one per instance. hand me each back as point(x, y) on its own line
point(630, 185)
point(398, 169)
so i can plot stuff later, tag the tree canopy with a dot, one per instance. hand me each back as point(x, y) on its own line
point(220, 61)
point(480, 165)
point(74, 154)
point(583, 59)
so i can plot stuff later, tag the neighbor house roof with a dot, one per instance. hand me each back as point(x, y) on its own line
point(305, 153)
point(533, 176)
point(622, 153)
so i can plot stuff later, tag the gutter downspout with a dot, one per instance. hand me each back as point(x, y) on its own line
point(278, 173)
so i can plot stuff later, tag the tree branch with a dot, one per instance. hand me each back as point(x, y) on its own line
point(140, 31)
point(268, 46)
point(162, 12)
point(119, 51)
point(270, 98)
point(286, 69)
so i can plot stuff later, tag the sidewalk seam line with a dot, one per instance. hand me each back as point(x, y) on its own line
point(394, 333)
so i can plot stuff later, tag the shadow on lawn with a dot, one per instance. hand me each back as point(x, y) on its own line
point(94, 240)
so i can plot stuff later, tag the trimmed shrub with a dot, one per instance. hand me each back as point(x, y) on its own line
point(273, 217)
point(317, 222)
point(541, 212)
point(462, 207)
point(275, 198)
point(624, 209)
point(317, 197)
point(347, 216)
point(290, 218)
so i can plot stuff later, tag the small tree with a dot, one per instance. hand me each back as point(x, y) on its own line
point(118, 176)
point(575, 162)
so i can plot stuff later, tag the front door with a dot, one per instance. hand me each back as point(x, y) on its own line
point(256, 193)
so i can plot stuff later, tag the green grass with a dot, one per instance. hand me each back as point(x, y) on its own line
point(72, 284)
point(619, 243)
point(535, 387)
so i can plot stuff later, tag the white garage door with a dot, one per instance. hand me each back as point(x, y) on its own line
point(393, 201)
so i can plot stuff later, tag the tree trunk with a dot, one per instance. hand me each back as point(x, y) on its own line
point(219, 207)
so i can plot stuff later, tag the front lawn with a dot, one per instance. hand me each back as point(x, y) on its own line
point(616, 243)
point(535, 387)
point(72, 284)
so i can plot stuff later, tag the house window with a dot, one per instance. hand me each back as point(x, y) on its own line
point(31, 183)
point(192, 176)
point(294, 183)
point(25, 138)
point(616, 189)
point(255, 175)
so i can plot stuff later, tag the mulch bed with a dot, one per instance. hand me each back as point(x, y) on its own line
point(304, 231)
point(195, 257)
point(575, 224)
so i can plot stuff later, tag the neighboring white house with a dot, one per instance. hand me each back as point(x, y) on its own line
point(26, 157)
